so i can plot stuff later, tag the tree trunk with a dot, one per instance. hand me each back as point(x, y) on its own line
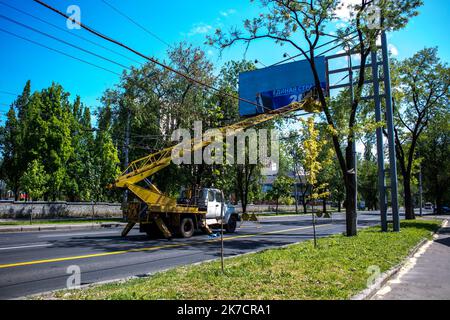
point(339, 206)
point(324, 205)
point(244, 206)
point(305, 207)
point(16, 194)
point(439, 204)
point(409, 206)
point(350, 207)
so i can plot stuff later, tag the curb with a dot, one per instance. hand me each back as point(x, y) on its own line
point(38, 228)
point(369, 292)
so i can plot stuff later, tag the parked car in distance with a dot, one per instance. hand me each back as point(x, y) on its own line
point(445, 210)
point(428, 206)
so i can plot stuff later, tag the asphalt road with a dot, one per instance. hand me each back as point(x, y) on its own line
point(36, 262)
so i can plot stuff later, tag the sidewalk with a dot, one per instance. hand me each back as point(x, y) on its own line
point(60, 227)
point(426, 276)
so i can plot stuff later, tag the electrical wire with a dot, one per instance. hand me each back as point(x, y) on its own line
point(66, 31)
point(137, 24)
point(64, 42)
point(318, 47)
point(343, 78)
point(9, 93)
point(187, 77)
point(58, 51)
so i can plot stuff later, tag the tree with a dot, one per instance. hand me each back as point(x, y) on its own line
point(52, 138)
point(368, 173)
point(422, 91)
point(11, 146)
point(56, 151)
point(281, 187)
point(312, 145)
point(337, 193)
point(76, 183)
point(368, 183)
point(34, 181)
point(282, 22)
point(434, 150)
point(105, 165)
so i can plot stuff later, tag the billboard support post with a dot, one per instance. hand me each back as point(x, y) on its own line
point(380, 151)
point(376, 79)
point(271, 85)
point(390, 128)
point(355, 160)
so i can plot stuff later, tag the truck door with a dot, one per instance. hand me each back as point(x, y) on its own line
point(212, 205)
point(219, 204)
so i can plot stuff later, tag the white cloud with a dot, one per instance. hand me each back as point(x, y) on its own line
point(343, 11)
point(393, 50)
point(228, 12)
point(200, 28)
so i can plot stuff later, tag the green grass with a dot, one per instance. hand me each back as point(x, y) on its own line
point(57, 221)
point(337, 269)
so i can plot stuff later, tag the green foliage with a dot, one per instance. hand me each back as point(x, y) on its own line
point(421, 93)
point(368, 183)
point(282, 187)
point(48, 149)
point(434, 150)
point(35, 180)
point(313, 144)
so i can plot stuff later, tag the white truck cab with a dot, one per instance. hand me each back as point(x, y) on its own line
point(211, 200)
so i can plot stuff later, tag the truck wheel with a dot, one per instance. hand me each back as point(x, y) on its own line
point(231, 225)
point(187, 227)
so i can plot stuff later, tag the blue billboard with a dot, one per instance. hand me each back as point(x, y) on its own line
point(276, 87)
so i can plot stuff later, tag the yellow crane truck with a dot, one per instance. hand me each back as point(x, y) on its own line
point(197, 209)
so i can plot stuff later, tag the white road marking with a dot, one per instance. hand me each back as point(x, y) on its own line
point(26, 246)
point(78, 234)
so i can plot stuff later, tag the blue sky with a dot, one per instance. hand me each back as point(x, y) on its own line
point(173, 21)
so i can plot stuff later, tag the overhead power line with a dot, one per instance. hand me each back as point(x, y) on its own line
point(9, 93)
point(318, 47)
point(337, 46)
point(58, 51)
point(65, 42)
point(67, 31)
point(136, 23)
point(187, 77)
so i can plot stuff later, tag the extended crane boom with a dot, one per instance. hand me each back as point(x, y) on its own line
point(156, 201)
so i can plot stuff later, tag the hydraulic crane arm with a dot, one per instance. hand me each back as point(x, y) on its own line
point(143, 168)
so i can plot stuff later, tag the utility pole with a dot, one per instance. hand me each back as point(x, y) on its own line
point(355, 160)
point(390, 129)
point(221, 234)
point(380, 145)
point(127, 148)
point(420, 189)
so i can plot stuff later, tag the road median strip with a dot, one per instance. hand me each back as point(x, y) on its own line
point(337, 269)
